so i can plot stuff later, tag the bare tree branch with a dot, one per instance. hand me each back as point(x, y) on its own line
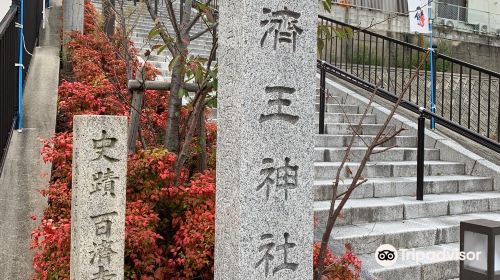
point(384, 150)
point(387, 138)
point(199, 34)
point(196, 18)
point(173, 19)
point(158, 24)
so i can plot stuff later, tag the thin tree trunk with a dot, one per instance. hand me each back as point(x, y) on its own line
point(172, 130)
point(174, 104)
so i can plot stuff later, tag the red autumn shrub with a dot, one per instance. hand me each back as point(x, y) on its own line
point(53, 241)
point(143, 254)
point(345, 267)
point(82, 99)
point(192, 253)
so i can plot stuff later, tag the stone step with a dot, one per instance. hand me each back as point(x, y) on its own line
point(328, 170)
point(143, 37)
point(338, 98)
point(159, 41)
point(163, 64)
point(142, 47)
point(144, 20)
point(405, 186)
point(410, 268)
point(373, 210)
point(142, 30)
point(366, 129)
point(344, 140)
point(326, 154)
point(347, 118)
point(414, 233)
point(339, 108)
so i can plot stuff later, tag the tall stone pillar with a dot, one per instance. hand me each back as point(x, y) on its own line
point(73, 14)
point(267, 62)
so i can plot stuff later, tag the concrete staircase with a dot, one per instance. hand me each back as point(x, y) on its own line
point(384, 210)
point(139, 19)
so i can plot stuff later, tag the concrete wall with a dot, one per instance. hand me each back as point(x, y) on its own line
point(479, 49)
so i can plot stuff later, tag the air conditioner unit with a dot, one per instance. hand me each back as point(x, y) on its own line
point(441, 22)
point(498, 32)
point(484, 28)
point(450, 24)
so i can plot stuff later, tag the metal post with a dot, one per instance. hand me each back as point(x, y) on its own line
point(156, 7)
point(21, 69)
point(420, 156)
point(433, 68)
point(322, 97)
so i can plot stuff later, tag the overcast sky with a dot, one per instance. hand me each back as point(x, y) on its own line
point(4, 7)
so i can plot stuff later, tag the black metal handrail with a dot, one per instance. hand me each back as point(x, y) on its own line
point(327, 68)
point(9, 37)
point(467, 97)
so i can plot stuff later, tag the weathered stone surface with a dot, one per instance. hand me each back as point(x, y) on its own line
point(73, 16)
point(264, 227)
point(98, 197)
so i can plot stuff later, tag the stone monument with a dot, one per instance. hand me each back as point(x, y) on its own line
point(264, 217)
point(98, 197)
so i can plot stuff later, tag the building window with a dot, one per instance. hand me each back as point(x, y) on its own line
point(452, 9)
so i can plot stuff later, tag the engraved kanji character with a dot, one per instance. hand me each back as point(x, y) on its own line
point(283, 24)
point(279, 103)
point(267, 256)
point(283, 178)
point(285, 247)
point(104, 180)
point(103, 224)
point(102, 252)
point(103, 274)
point(102, 145)
point(268, 181)
point(286, 177)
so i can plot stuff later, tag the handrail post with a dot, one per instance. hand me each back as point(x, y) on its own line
point(420, 155)
point(135, 110)
point(433, 54)
point(322, 97)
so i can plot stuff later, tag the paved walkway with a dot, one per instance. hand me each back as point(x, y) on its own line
point(23, 169)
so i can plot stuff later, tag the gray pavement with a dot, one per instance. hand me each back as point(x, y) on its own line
point(23, 171)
